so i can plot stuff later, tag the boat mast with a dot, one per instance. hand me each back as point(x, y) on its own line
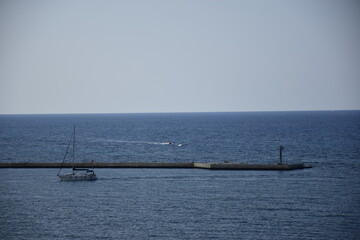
point(74, 150)
point(67, 151)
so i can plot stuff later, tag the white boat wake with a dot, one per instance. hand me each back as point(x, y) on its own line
point(139, 142)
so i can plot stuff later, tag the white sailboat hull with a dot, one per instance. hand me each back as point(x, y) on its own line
point(77, 177)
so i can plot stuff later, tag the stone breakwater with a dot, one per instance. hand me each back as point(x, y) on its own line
point(209, 166)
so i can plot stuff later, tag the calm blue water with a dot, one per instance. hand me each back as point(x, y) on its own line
point(318, 203)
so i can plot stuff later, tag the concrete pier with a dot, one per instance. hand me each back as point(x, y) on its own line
point(244, 166)
point(209, 166)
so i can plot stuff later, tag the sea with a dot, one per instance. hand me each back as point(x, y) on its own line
point(322, 202)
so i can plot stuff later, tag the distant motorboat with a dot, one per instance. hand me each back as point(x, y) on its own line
point(174, 144)
point(77, 174)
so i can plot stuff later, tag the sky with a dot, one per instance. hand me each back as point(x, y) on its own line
point(135, 56)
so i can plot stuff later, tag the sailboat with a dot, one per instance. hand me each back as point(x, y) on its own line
point(77, 174)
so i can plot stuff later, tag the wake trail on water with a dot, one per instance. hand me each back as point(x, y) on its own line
point(139, 142)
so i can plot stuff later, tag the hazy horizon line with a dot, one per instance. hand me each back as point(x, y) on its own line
point(180, 112)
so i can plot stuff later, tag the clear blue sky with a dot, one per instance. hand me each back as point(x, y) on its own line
point(88, 56)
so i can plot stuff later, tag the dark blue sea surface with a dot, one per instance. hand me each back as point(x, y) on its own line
point(322, 202)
